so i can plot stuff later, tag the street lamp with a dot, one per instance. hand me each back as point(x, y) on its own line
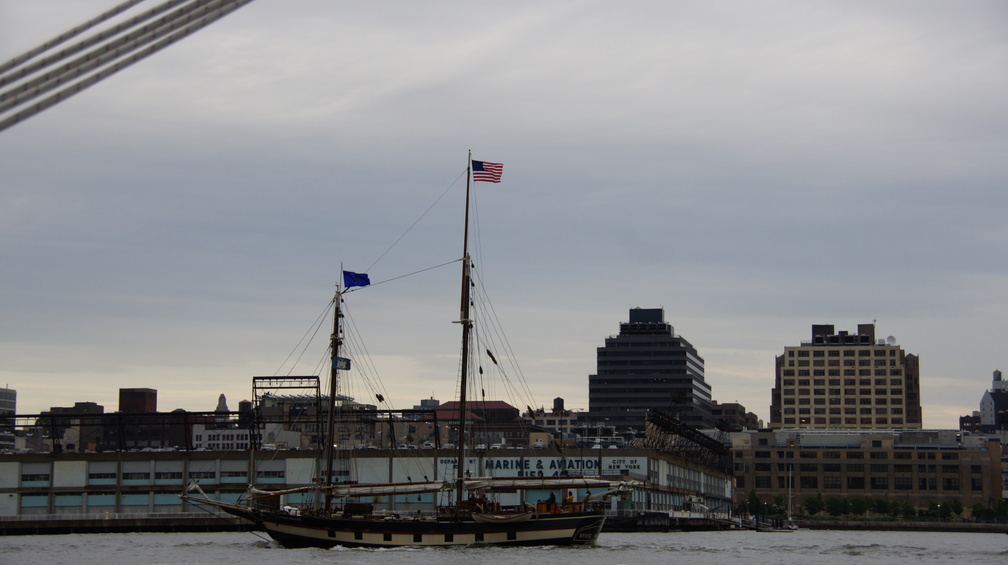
point(939, 513)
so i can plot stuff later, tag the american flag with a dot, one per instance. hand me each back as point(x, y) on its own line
point(487, 172)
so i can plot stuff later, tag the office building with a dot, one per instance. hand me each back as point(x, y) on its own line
point(648, 367)
point(913, 466)
point(8, 409)
point(843, 380)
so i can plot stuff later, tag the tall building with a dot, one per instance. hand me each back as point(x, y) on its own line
point(137, 400)
point(647, 367)
point(8, 409)
point(843, 380)
point(994, 405)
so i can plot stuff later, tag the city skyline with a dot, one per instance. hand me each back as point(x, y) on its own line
point(753, 169)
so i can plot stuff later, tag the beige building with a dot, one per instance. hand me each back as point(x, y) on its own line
point(843, 380)
point(918, 466)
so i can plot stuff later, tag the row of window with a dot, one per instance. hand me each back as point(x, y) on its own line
point(787, 392)
point(850, 411)
point(846, 372)
point(860, 352)
point(851, 400)
point(168, 475)
point(860, 468)
point(846, 382)
point(845, 363)
point(847, 421)
point(811, 454)
point(874, 483)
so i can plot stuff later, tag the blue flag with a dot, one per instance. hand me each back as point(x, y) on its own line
point(355, 279)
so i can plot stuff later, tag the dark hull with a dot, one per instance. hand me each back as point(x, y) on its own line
point(549, 529)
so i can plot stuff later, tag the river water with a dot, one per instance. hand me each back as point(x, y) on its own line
point(805, 547)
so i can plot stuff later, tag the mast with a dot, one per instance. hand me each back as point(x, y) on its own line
point(790, 482)
point(466, 322)
point(335, 340)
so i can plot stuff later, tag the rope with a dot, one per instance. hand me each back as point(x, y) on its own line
point(125, 52)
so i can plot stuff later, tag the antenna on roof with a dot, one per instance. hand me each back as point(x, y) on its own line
point(890, 340)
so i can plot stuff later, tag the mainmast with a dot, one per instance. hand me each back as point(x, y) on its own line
point(466, 321)
point(335, 340)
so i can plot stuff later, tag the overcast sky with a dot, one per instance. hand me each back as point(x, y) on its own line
point(752, 167)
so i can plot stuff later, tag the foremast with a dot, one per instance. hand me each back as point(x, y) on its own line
point(335, 341)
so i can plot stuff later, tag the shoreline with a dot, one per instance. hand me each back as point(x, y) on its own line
point(119, 523)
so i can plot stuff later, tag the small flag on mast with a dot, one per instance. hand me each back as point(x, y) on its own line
point(487, 172)
point(355, 279)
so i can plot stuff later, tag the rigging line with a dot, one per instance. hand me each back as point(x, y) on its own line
point(313, 331)
point(28, 55)
point(97, 38)
point(108, 71)
point(356, 341)
point(422, 216)
point(352, 289)
point(499, 332)
point(514, 392)
point(363, 366)
point(102, 54)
